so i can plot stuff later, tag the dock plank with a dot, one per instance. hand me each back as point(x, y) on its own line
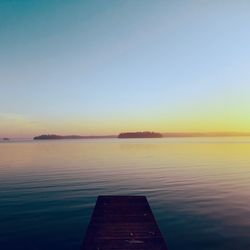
point(123, 223)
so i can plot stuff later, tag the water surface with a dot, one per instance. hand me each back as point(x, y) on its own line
point(198, 188)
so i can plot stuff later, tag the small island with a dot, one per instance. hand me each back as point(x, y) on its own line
point(4, 139)
point(145, 134)
point(60, 137)
point(48, 137)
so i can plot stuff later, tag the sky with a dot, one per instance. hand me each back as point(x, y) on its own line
point(103, 67)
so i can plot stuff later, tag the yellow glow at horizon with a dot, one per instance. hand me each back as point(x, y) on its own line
point(227, 120)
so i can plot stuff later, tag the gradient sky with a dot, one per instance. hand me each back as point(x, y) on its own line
point(102, 67)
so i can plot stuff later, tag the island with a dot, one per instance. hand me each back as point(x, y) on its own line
point(145, 134)
point(60, 137)
point(6, 139)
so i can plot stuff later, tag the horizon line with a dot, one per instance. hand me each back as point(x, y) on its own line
point(164, 134)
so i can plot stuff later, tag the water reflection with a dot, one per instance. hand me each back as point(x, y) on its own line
point(198, 188)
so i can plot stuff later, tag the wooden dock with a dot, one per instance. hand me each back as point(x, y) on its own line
point(123, 223)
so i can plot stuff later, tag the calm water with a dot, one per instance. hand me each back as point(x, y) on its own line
point(199, 189)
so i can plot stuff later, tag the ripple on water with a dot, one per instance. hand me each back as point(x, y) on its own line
point(198, 190)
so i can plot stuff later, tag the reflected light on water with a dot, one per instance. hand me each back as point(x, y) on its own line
point(198, 187)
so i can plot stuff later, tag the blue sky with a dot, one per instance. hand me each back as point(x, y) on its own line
point(97, 67)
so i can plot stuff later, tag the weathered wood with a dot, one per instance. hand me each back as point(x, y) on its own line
point(123, 223)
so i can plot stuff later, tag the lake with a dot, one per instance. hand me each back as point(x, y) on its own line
point(198, 189)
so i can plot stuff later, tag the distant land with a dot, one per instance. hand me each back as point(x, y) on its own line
point(58, 137)
point(145, 134)
point(6, 139)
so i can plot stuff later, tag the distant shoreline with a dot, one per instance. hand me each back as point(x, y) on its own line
point(145, 134)
point(134, 135)
point(61, 137)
